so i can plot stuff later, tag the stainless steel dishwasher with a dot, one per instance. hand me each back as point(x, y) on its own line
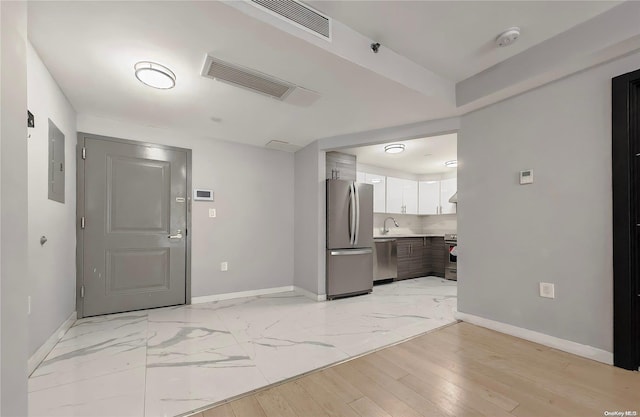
point(385, 259)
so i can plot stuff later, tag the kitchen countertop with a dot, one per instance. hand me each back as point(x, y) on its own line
point(391, 236)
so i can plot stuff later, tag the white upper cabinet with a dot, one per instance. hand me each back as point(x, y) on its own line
point(402, 196)
point(447, 189)
point(379, 189)
point(429, 197)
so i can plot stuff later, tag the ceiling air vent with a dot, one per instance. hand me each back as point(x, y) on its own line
point(258, 82)
point(299, 14)
point(281, 145)
point(246, 78)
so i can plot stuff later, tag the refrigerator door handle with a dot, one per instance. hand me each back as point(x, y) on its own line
point(352, 214)
point(344, 252)
point(357, 232)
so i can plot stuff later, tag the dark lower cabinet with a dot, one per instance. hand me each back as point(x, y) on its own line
point(420, 256)
point(438, 255)
point(410, 254)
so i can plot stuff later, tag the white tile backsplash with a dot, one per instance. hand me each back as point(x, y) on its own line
point(444, 223)
point(409, 223)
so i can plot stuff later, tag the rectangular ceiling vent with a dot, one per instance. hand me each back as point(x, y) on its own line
point(246, 78)
point(299, 14)
point(258, 82)
point(281, 145)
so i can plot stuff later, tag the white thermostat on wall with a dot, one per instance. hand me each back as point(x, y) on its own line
point(526, 177)
point(202, 195)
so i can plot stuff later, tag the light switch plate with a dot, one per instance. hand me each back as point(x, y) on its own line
point(224, 266)
point(547, 290)
point(212, 212)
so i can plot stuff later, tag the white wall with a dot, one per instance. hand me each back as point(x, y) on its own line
point(556, 230)
point(253, 187)
point(13, 216)
point(309, 255)
point(52, 267)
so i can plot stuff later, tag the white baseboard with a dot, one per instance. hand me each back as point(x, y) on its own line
point(309, 294)
point(49, 344)
point(239, 294)
point(585, 351)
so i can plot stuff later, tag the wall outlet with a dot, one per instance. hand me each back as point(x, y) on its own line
point(212, 212)
point(29, 305)
point(547, 290)
point(224, 266)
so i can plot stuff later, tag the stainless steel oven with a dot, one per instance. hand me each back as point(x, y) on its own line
point(451, 257)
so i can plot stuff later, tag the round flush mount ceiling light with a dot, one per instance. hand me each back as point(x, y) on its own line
point(451, 164)
point(394, 148)
point(508, 37)
point(155, 75)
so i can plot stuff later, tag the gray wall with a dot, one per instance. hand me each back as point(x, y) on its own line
point(309, 219)
point(253, 187)
point(558, 230)
point(52, 270)
point(13, 216)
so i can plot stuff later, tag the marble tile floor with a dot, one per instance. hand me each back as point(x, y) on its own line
point(169, 361)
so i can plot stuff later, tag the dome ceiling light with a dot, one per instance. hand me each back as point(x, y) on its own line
point(394, 148)
point(155, 75)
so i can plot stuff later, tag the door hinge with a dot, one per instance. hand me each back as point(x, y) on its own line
point(82, 222)
point(82, 292)
point(84, 153)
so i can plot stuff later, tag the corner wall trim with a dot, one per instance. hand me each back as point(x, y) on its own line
point(585, 351)
point(309, 294)
point(239, 294)
point(42, 352)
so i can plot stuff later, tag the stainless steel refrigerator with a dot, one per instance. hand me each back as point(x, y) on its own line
point(349, 238)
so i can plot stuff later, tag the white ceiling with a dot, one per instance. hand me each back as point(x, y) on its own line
point(456, 38)
point(90, 49)
point(421, 156)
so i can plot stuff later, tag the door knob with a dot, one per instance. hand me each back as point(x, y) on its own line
point(178, 235)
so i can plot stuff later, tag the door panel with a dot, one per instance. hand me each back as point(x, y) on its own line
point(137, 270)
point(135, 197)
point(135, 186)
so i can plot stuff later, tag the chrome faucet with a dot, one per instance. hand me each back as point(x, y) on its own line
point(385, 229)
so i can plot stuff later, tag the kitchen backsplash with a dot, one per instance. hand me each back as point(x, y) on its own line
point(409, 223)
point(444, 223)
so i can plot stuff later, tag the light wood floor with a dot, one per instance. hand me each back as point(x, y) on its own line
point(461, 370)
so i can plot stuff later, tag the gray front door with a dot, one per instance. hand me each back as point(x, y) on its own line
point(135, 219)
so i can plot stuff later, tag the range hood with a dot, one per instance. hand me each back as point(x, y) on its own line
point(454, 198)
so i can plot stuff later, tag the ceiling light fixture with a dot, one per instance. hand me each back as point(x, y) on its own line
point(155, 75)
point(451, 164)
point(394, 148)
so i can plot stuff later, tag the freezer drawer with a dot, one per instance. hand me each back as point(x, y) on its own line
point(349, 272)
